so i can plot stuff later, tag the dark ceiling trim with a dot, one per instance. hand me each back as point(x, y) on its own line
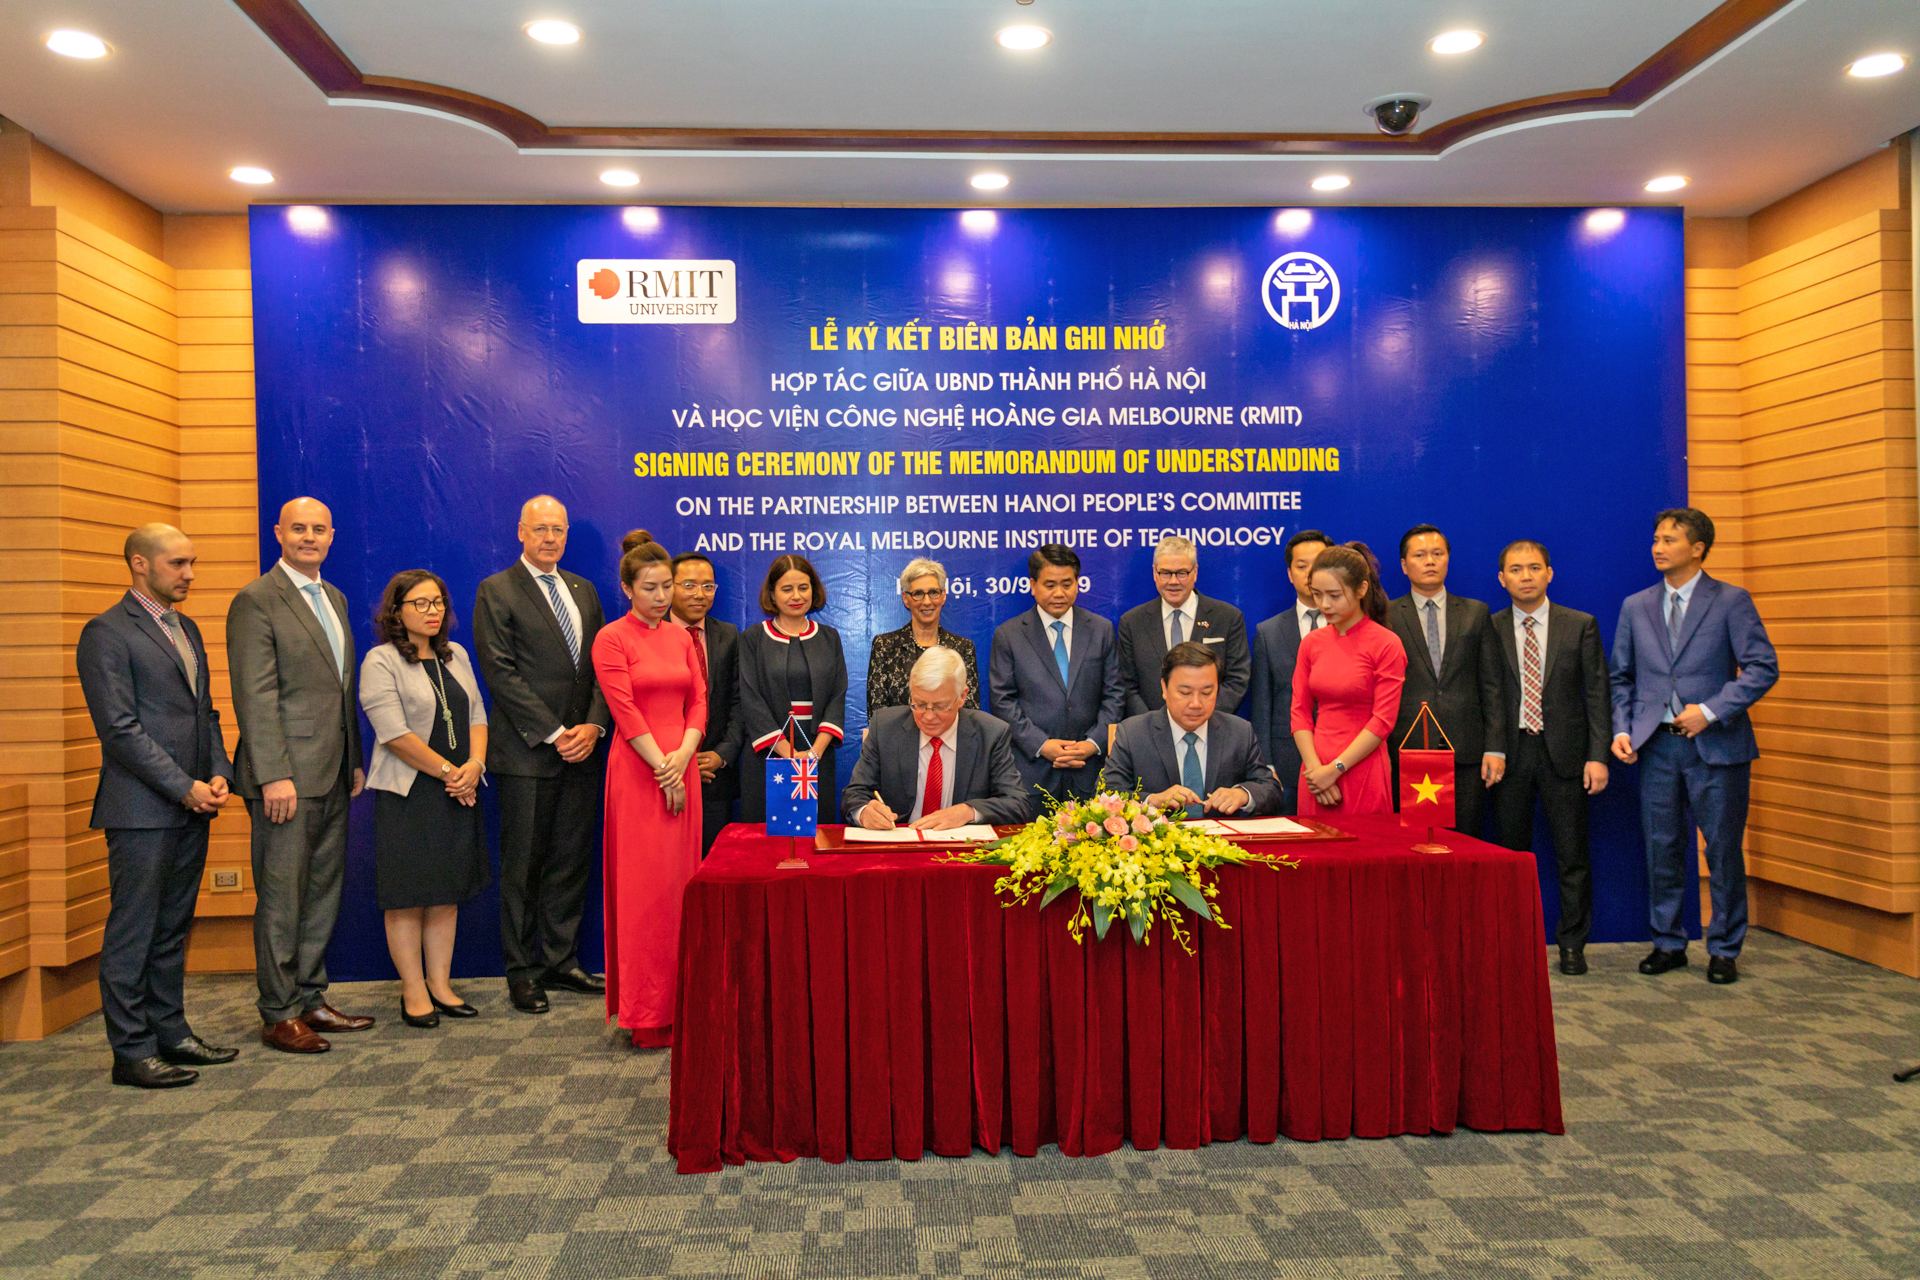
point(306, 43)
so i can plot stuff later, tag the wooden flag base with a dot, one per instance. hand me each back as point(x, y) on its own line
point(1430, 845)
point(793, 861)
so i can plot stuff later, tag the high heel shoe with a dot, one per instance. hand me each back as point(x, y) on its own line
point(460, 1010)
point(423, 1021)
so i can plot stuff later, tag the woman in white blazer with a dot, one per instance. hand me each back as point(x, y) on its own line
point(430, 850)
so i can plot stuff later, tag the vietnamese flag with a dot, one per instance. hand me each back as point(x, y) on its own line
point(1426, 788)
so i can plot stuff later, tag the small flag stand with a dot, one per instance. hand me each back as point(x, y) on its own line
point(1427, 761)
point(793, 797)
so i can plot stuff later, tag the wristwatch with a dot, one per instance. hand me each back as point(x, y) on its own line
point(1339, 766)
point(446, 767)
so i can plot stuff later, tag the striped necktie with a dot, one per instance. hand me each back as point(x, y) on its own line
point(552, 584)
point(170, 623)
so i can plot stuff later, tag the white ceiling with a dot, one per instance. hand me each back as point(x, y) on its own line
point(193, 88)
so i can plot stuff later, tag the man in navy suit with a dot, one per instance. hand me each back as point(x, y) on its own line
point(1053, 675)
point(1689, 657)
point(1276, 645)
point(164, 774)
point(1190, 754)
point(1177, 615)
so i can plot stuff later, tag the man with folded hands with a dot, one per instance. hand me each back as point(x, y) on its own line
point(935, 764)
point(1187, 754)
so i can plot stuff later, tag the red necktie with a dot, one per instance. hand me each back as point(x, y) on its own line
point(936, 779)
point(700, 648)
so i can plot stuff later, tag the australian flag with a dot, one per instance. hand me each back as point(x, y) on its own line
point(793, 796)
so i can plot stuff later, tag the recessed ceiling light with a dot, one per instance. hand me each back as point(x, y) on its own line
point(1875, 65)
point(77, 44)
point(1024, 37)
point(640, 219)
point(989, 181)
point(1666, 182)
point(620, 178)
point(309, 219)
point(1332, 182)
point(251, 174)
point(1605, 222)
point(1293, 221)
point(979, 220)
point(1451, 42)
point(552, 31)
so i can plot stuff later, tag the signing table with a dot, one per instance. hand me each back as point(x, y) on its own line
point(882, 1005)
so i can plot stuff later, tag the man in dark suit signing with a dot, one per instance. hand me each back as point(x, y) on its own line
point(1276, 646)
point(164, 774)
point(935, 763)
point(291, 656)
point(1189, 754)
point(718, 644)
point(1453, 665)
point(1690, 656)
point(1179, 615)
point(1554, 689)
point(533, 630)
point(1054, 676)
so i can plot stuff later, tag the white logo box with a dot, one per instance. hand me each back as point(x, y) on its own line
point(656, 290)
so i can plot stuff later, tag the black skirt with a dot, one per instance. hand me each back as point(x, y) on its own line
point(429, 850)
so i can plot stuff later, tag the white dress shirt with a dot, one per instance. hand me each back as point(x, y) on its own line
point(300, 583)
point(1300, 608)
point(1046, 628)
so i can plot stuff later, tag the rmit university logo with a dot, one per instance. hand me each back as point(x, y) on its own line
point(1300, 291)
point(656, 290)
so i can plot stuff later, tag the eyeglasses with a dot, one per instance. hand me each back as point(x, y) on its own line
point(697, 588)
point(547, 530)
point(932, 708)
point(924, 594)
point(432, 604)
point(1173, 575)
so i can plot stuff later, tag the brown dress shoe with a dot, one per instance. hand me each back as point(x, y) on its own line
point(324, 1017)
point(292, 1036)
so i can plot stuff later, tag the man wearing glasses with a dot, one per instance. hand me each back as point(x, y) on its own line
point(717, 642)
point(533, 630)
point(935, 764)
point(1181, 615)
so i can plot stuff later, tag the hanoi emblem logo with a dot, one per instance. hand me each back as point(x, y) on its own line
point(656, 290)
point(1300, 291)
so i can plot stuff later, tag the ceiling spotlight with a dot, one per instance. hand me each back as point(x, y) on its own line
point(1875, 65)
point(77, 44)
point(641, 219)
point(988, 181)
point(1452, 42)
point(308, 219)
point(1293, 221)
point(1666, 182)
point(1024, 37)
point(1604, 222)
point(979, 220)
point(251, 174)
point(552, 31)
point(620, 178)
point(1332, 182)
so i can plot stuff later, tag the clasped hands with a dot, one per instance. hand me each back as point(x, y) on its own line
point(671, 774)
point(463, 784)
point(876, 816)
point(577, 743)
point(1062, 754)
point(1221, 800)
point(206, 797)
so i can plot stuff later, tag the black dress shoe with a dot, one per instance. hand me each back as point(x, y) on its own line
point(151, 1073)
point(1573, 961)
point(1660, 960)
point(459, 1010)
point(195, 1052)
point(1722, 970)
point(575, 979)
point(424, 1021)
point(526, 995)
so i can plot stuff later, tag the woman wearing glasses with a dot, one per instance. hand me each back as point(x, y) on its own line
point(923, 589)
point(430, 852)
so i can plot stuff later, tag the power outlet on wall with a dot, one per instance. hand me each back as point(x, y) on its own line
point(226, 881)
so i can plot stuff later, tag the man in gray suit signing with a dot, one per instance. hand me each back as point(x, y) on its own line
point(935, 763)
point(1189, 754)
point(164, 774)
point(290, 652)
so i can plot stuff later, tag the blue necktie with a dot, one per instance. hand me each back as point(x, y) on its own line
point(1433, 635)
point(1060, 649)
point(1176, 629)
point(325, 613)
point(560, 611)
point(1675, 616)
point(1191, 775)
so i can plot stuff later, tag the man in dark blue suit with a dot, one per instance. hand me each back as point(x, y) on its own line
point(718, 645)
point(1190, 754)
point(1689, 657)
point(164, 773)
point(1178, 615)
point(1276, 644)
point(1053, 675)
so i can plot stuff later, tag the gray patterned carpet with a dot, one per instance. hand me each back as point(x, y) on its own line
point(1713, 1133)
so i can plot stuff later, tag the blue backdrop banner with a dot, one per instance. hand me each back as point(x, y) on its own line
point(865, 386)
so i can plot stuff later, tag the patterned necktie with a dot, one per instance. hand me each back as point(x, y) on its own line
point(1192, 777)
point(327, 624)
point(552, 583)
point(1060, 649)
point(700, 650)
point(1176, 631)
point(936, 783)
point(170, 623)
point(1433, 635)
point(1676, 614)
point(1530, 680)
point(1313, 620)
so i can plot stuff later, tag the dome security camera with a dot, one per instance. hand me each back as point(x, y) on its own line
point(1396, 113)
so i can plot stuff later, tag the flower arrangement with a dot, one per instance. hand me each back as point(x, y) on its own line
point(1129, 861)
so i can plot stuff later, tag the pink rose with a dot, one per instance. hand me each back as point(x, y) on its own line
point(1142, 827)
point(1116, 826)
point(1093, 828)
point(1063, 819)
point(1114, 803)
point(1129, 844)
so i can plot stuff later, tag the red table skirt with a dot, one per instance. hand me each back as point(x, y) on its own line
point(883, 1005)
